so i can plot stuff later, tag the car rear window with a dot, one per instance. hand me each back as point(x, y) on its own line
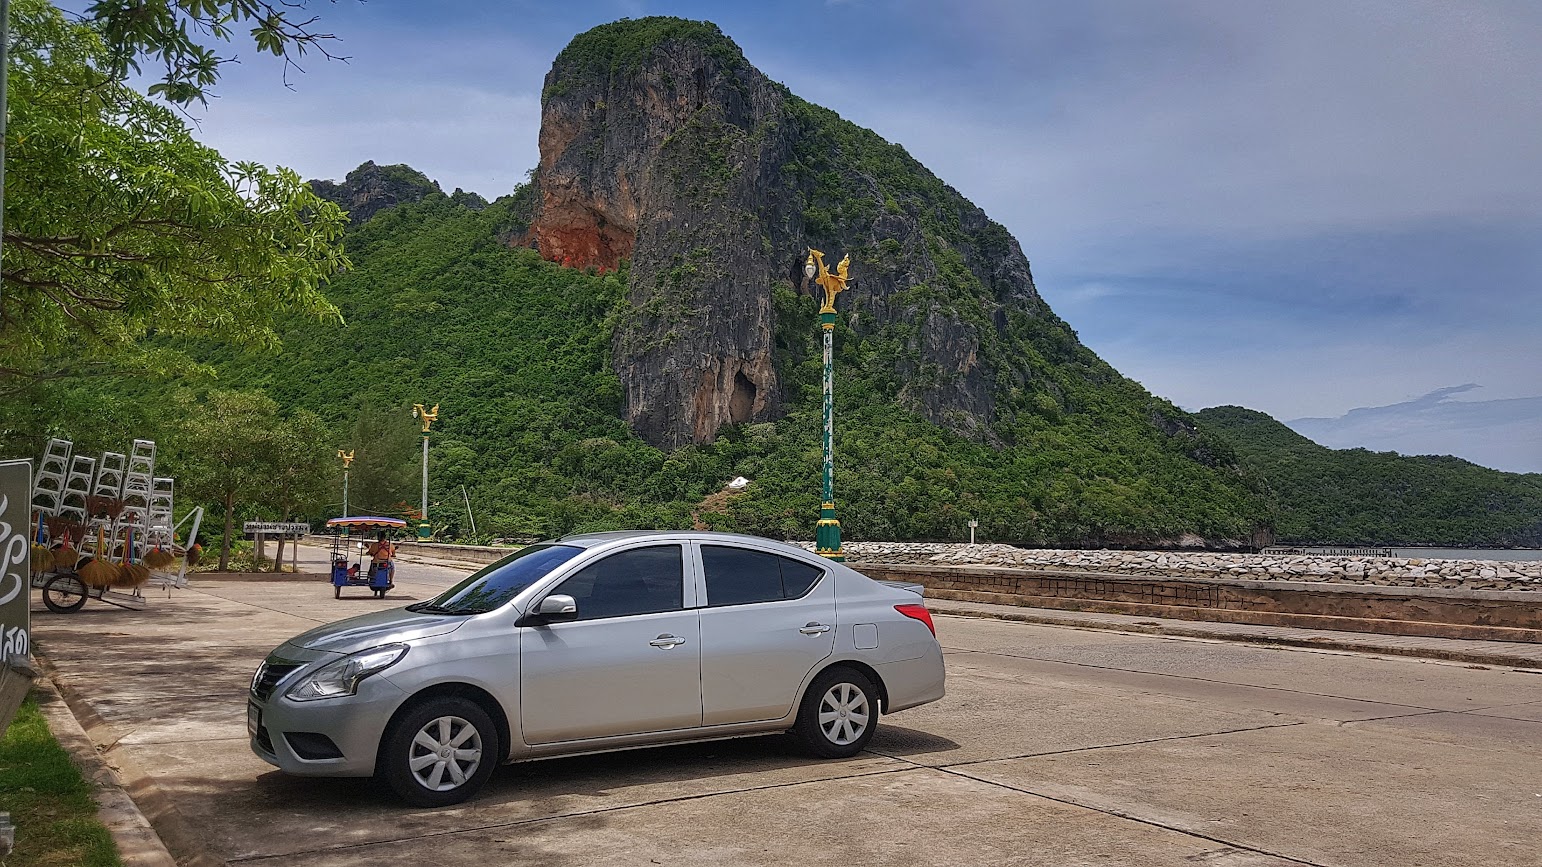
point(740, 576)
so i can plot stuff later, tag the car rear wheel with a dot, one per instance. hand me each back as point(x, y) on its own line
point(839, 713)
point(439, 752)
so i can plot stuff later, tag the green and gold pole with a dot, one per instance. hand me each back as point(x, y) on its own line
point(827, 535)
point(428, 417)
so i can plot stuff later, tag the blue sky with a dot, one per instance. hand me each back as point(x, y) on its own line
point(1306, 208)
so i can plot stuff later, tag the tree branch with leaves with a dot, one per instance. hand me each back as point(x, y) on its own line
point(173, 33)
point(120, 226)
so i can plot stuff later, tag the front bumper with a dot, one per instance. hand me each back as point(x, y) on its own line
point(336, 737)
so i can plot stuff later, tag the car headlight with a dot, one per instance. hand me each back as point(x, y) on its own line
point(342, 676)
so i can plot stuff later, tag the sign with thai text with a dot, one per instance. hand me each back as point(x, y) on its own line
point(275, 528)
point(15, 560)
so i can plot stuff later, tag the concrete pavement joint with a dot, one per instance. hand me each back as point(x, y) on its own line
point(1201, 679)
point(1098, 746)
point(577, 814)
point(255, 605)
point(1121, 814)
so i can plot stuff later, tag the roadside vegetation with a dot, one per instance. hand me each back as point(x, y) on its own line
point(48, 799)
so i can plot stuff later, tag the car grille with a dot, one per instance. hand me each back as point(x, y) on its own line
point(269, 674)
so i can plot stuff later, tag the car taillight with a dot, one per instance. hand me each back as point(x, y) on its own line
point(918, 612)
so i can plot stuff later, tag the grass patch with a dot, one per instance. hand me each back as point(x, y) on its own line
point(48, 799)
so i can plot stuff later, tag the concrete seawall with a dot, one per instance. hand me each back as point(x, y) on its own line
point(1523, 576)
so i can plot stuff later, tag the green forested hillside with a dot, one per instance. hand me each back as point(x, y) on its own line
point(1355, 496)
point(440, 309)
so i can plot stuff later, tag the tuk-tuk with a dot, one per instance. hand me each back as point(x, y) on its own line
point(365, 571)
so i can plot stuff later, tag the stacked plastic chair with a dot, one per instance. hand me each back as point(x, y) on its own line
point(49, 485)
point(77, 486)
point(138, 477)
point(160, 522)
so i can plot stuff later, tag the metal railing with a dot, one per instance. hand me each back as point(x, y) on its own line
point(1327, 551)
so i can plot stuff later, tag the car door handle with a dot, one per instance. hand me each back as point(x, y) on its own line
point(667, 641)
point(814, 629)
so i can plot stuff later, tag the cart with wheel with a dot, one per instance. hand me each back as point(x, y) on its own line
point(67, 578)
point(364, 571)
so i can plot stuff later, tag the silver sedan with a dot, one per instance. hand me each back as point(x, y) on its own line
point(591, 643)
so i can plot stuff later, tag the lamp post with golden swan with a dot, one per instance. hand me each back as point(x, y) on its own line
point(428, 417)
point(827, 534)
point(347, 458)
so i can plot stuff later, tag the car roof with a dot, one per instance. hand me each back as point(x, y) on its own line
point(590, 540)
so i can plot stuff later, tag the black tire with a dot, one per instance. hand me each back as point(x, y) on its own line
point(444, 719)
point(63, 594)
point(838, 735)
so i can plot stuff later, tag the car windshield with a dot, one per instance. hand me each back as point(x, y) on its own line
point(497, 583)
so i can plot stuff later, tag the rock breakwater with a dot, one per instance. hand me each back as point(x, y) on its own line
point(1384, 571)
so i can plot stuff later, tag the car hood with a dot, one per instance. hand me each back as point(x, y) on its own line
point(375, 629)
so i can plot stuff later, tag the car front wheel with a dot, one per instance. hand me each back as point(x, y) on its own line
point(839, 713)
point(439, 752)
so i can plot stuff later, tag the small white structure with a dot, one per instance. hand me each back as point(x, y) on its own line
point(739, 483)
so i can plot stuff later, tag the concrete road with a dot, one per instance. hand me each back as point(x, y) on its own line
point(1055, 746)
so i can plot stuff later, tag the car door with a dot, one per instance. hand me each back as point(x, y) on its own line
point(767, 620)
point(630, 662)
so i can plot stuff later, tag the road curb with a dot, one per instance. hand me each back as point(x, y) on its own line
point(1447, 654)
point(144, 823)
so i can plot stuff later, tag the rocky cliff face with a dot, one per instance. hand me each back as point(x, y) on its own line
point(661, 144)
point(370, 189)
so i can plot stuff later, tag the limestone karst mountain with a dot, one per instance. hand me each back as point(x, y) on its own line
point(661, 144)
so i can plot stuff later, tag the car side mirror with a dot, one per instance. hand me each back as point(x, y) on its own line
point(553, 609)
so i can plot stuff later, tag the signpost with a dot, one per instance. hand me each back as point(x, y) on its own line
point(15, 582)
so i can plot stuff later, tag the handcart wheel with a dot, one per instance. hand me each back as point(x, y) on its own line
point(63, 594)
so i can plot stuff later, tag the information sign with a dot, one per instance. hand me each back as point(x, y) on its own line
point(15, 559)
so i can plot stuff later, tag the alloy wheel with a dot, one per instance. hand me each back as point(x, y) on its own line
point(445, 753)
point(843, 713)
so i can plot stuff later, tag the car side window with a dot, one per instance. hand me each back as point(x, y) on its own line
point(736, 576)
point(636, 581)
point(739, 576)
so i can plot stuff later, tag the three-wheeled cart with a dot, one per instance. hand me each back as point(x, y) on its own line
point(364, 571)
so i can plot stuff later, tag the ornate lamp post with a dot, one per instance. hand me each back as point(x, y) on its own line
point(428, 417)
point(827, 537)
point(347, 458)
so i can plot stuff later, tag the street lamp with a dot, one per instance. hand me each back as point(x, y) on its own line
point(428, 417)
point(347, 458)
point(827, 535)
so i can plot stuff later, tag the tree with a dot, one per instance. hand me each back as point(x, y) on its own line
point(300, 454)
point(224, 448)
point(168, 31)
point(120, 226)
point(385, 463)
